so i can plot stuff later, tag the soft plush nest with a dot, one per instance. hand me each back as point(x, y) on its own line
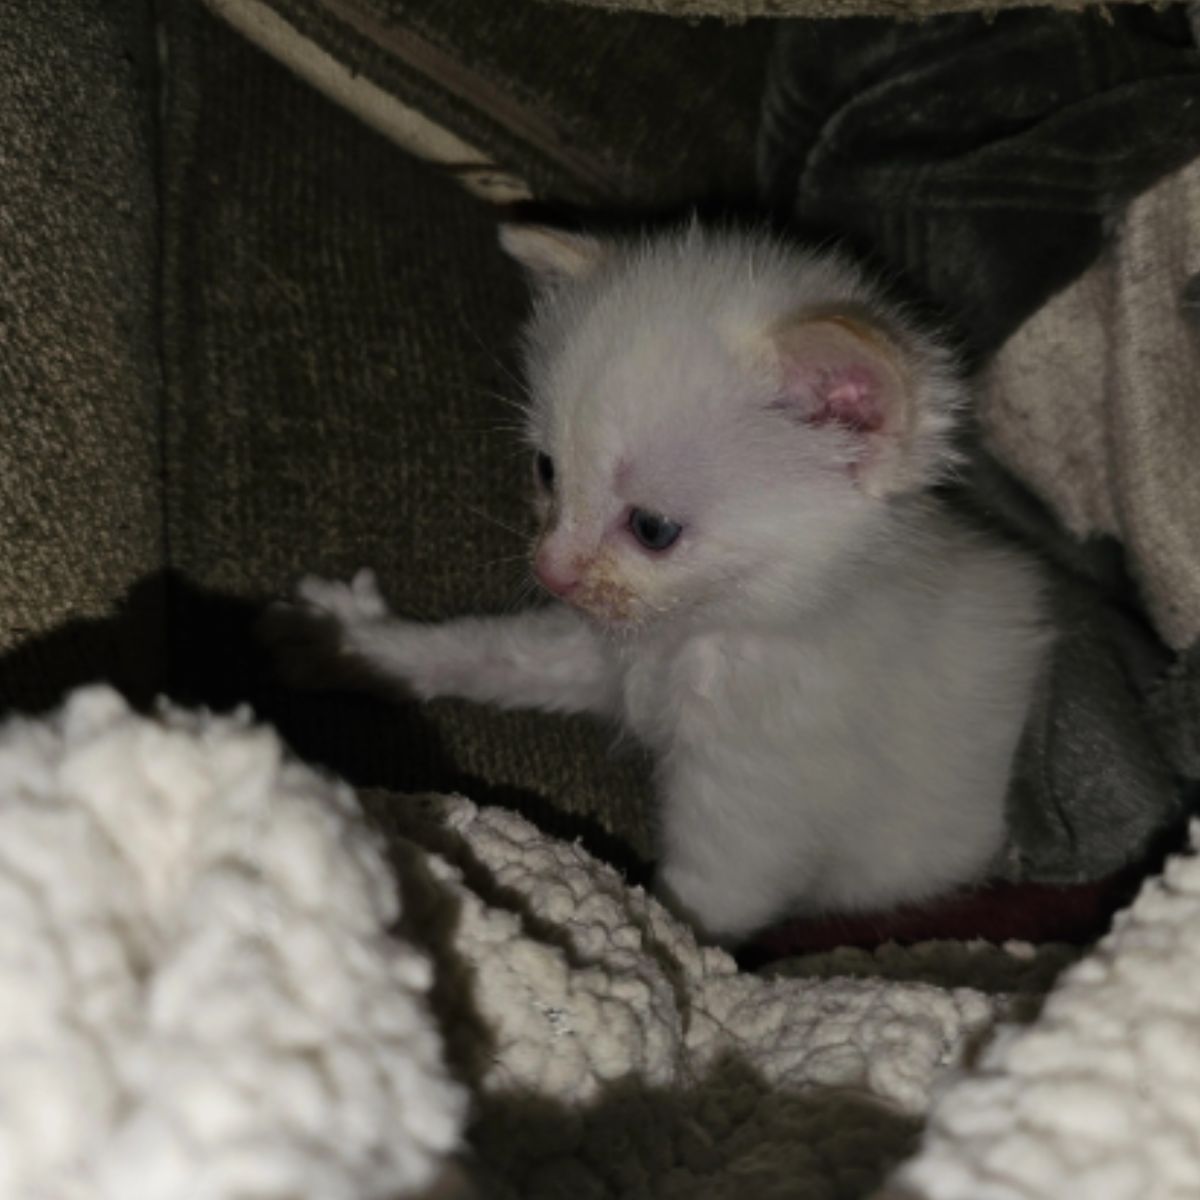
point(199, 995)
point(219, 983)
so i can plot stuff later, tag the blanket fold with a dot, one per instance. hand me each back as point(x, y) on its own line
point(981, 157)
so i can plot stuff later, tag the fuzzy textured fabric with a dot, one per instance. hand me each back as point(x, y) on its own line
point(200, 996)
point(593, 1021)
point(1098, 1097)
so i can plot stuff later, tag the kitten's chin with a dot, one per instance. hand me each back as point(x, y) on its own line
point(610, 604)
point(618, 622)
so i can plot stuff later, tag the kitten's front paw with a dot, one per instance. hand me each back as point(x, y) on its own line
point(349, 603)
point(316, 639)
point(722, 912)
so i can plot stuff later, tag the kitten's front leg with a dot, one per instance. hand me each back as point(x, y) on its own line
point(725, 868)
point(544, 658)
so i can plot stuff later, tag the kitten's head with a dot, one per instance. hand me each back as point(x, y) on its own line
point(717, 419)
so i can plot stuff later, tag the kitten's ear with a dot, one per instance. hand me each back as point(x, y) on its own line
point(552, 256)
point(894, 405)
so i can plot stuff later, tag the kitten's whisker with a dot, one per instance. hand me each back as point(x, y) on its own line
point(491, 353)
point(522, 593)
point(524, 535)
point(505, 560)
point(516, 591)
point(520, 406)
point(496, 427)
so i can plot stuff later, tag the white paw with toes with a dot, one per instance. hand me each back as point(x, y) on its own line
point(317, 639)
point(348, 603)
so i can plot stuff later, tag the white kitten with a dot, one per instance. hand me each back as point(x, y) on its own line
point(734, 444)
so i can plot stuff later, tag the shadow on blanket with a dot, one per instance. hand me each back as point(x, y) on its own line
point(633, 1138)
point(642, 1141)
point(197, 647)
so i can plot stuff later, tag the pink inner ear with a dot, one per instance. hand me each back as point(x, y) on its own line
point(839, 372)
point(849, 396)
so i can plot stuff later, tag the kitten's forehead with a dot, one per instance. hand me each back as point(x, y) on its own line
point(661, 317)
point(654, 339)
point(638, 413)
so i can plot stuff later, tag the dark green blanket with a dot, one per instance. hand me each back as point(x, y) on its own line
point(983, 158)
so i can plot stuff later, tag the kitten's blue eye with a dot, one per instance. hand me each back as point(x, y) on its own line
point(543, 465)
point(653, 531)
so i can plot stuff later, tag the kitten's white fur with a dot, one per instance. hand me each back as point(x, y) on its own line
point(831, 673)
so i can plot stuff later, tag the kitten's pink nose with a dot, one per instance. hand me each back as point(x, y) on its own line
point(555, 577)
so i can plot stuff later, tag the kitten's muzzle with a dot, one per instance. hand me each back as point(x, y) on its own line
point(557, 578)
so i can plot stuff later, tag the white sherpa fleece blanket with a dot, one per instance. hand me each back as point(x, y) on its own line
point(216, 982)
